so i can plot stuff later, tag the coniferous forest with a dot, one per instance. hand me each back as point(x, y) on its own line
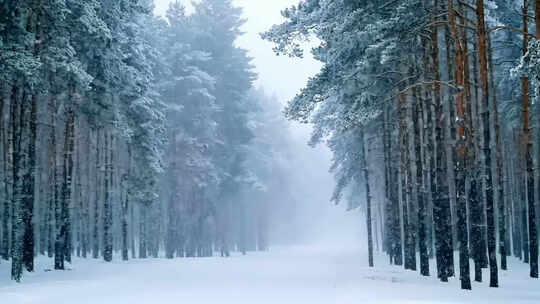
point(128, 135)
point(444, 94)
point(124, 133)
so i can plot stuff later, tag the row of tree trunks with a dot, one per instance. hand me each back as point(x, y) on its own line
point(495, 203)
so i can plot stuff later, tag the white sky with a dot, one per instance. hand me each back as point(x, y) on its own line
point(282, 76)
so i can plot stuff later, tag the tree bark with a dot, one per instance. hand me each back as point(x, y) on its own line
point(501, 199)
point(441, 200)
point(368, 198)
point(484, 82)
point(125, 208)
point(17, 222)
point(404, 164)
point(418, 120)
point(8, 146)
point(462, 154)
point(107, 207)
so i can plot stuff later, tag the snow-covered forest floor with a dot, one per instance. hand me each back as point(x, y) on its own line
point(297, 275)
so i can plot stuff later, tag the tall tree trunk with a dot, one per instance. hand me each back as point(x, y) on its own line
point(86, 197)
point(132, 230)
point(67, 175)
point(107, 207)
point(30, 174)
point(29, 186)
point(59, 220)
point(397, 239)
point(125, 208)
point(404, 164)
point(533, 232)
point(430, 151)
point(3, 177)
point(95, 225)
point(388, 236)
point(143, 240)
point(462, 154)
point(529, 174)
point(394, 241)
point(8, 146)
point(411, 207)
point(418, 120)
point(499, 164)
point(522, 189)
point(441, 200)
point(17, 221)
point(368, 198)
point(484, 82)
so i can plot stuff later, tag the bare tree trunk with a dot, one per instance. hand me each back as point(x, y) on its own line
point(499, 161)
point(418, 120)
point(107, 207)
point(17, 230)
point(143, 240)
point(441, 200)
point(125, 208)
point(29, 188)
point(8, 146)
point(404, 164)
point(411, 207)
point(462, 155)
point(95, 225)
point(368, 198)
point(484, 82)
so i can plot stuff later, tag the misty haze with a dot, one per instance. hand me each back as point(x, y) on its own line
point(269, 151)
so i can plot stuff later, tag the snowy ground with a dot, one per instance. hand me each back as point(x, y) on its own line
point(285, 275)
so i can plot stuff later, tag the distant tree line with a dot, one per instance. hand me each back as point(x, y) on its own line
point(431, 111)
point(125, 133)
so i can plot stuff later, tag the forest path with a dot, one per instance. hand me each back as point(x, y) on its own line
point(284, 275)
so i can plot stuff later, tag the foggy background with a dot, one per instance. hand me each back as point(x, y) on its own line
point(311, 218)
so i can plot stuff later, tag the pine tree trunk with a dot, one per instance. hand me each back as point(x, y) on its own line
point(125, 208)
point(398, 242)
point(476, 198)
point(3, 177)
point(516, 206)
point(28, 188)
point(499, 167)
point(430, 152)
point(60, 235)
point(388, 236)
point(132, 230)
point(418, 120)
point(67, 175)
point(533, 232)
point(95, 225)
point(17, 221)
point(522, 189)
point(404, 161)
point(410, 98)
point(441, 200)
point(29, 177)
point(8, 146)
point(529, 173)
point(86, 197)
point(172, 198)
point(484, 81)
point(52, 193)
point(107, 207)
point(368, 198)
point(462, 154)
point(143, 244)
